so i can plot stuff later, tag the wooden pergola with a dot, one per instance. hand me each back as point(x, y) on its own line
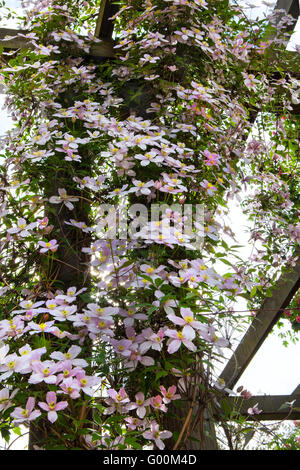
point(268, 315)
point(273, 307)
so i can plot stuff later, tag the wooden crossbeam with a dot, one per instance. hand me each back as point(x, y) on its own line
point(291, 7)
point(261, 326)
point(98, 50)
point(104, 26)
point(273, 406)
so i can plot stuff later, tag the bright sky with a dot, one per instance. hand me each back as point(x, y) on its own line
point(274, 369)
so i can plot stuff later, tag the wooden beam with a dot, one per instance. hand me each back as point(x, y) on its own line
point(101, 49)
point(268, 315)
point(104, 26)
point(104, 49)
point(272, 406)
point(296, 391)
point(290, 6)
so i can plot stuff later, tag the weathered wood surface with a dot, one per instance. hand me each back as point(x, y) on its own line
point(272, 406)
point(291, 7)
point(105, 26)
point(262, 324)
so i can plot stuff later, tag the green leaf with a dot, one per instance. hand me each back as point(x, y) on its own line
point(161, 373)
point(253, 292)
point(226, 407)
point(249, 436)
point(17, 431)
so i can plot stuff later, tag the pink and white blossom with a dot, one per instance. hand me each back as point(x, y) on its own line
point(52, 406)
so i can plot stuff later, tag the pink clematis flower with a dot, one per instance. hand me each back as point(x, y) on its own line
point(157, 403)
point(250, 81)
point(149, 157)
point(23, 229)
point(63, 198)
point(133, 423)
point(210, 188)
point(87, 383)
point(25, 414)
point(181, 337)
point(70, 386)
point(170, 394)
point(187, 319)
point(156, 435)
point(5, 398)
point(116, 401)
point(46, 327)
point(43, 371)
point(140, 405)
point(254, 410)
point(211, 158)
point(3, 353)
point(151, 340)
point(43, 223)
point(46, 246)
point(52, 406)
point(71, 356)
point(141, 188)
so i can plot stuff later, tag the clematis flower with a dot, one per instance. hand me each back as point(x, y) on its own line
point(81, 225)
point(3, 353)
point(156, 435)
point(52, 406)
point(254, 410)
point(122, 347)
point(210, 188)
point(87, 383)
point(28, 305)
point(23, 229)
point(5, 398)
point(140, 405)
point(46, 246)
point(149, 157)
point(71, 387)
point(63, 198)
point(184, 34)
point(250, 81)
point(136, 357)
point(28, 413)
point(133, 423)
point(170, 394)
point(211, 158)
point(116, 400)
point(130, 315)
point(141, 188)
point(43, 372)
point(157, 403)
point(12, 363)
point(181, 337)
point(46, 327)
point(71, 356)
point(166, 304)
point(64, 312)
point(11, 327)
point(187, 319)
point(151, 340)
point(29, 357)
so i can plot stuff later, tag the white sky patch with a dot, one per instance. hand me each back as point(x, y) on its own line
point(13, 22)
